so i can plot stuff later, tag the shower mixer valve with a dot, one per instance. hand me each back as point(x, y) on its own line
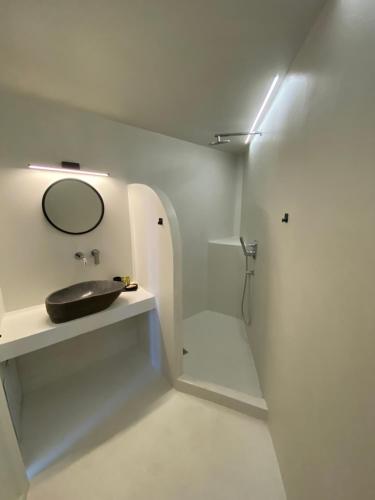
point(249, 249)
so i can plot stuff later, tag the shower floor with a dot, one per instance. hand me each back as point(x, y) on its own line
point(218, 352)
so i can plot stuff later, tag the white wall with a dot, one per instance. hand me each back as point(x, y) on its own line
point(226, 270)
point(36, 259)
point(13, 479)
point(313, 331)
point(9, 377)
point(157, 264)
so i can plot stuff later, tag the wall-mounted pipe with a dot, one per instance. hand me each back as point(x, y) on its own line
point(218, 137)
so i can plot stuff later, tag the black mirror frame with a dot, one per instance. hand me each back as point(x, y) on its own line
point(63, 230)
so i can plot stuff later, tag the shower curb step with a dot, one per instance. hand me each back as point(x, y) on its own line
point(239, 401)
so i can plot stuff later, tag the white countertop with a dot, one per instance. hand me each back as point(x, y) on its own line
point(26, 330)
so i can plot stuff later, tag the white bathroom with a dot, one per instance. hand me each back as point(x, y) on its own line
point(186, 213)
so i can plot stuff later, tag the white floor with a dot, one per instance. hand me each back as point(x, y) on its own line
point(218, 352)
point(172, 446)
point(117, 431)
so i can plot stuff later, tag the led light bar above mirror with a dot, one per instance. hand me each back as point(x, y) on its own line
point(68, 167)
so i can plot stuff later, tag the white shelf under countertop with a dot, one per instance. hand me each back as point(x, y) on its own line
point(26, 330)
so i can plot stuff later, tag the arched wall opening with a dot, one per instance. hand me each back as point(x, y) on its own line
point(157, 264)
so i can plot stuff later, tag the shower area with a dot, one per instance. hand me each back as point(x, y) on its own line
point(217, 351)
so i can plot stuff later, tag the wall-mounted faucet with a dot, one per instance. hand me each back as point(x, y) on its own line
point(96, 254)
point(81, 256)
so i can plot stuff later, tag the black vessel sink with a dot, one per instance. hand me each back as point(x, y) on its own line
point(82, 299)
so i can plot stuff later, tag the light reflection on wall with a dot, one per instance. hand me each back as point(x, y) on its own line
point(293, 94)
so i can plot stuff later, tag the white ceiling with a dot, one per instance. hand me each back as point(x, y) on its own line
point(187, 68)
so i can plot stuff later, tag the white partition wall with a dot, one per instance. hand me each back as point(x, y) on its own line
point(13, 480)
point(226, 267)
point(156, 259)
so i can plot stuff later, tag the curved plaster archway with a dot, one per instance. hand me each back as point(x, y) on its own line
point(157, 256)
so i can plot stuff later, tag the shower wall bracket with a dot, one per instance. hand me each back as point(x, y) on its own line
point(219, 137)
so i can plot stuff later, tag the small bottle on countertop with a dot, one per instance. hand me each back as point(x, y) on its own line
point(128, 285)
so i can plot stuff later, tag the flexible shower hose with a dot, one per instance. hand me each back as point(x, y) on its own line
point(247, 282)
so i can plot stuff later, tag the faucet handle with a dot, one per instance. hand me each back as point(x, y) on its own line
point(96, 254)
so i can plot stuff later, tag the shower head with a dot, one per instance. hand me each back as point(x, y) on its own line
point(218, 140)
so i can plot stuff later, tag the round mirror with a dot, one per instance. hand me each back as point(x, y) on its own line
point(73, 206)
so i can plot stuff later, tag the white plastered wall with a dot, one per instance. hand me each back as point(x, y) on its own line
point(13, 480)
point(313, 324)
point(226, 267)
point(157, 267)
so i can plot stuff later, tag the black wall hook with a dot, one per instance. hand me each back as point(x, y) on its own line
point(285, 219)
